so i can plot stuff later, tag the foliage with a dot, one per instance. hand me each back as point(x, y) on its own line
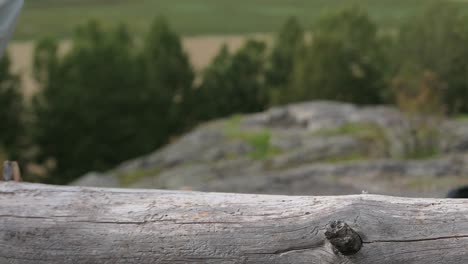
point(420, 96)
point(372, 134)
point(288, 44)
point(420, 93)
point(11, 110)
point(429, 74)
point(168, 77)
point(343, 62)
point(128, 178)
point(87, 115)
point(111, 98)
point(435, 41)
point(233, 83)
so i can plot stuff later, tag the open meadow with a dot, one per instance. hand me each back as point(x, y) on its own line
point(204, 24)
point(58, 18)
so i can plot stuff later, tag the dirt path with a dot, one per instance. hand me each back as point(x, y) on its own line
point(201, 50)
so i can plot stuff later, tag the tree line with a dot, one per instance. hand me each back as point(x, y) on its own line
point(114, 96)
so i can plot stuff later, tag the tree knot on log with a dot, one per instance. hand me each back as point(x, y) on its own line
point(343, 238)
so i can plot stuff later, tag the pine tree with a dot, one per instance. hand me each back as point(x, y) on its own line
point(169, 78)
point(435, 41)
point(88, 111)
point(282, 58)
point(234, 83)
point(344, 61)
point(11, 109)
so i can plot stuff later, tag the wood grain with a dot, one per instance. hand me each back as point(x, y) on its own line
point(49, 224)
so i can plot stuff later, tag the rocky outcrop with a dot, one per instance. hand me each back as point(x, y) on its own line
point(316, 148)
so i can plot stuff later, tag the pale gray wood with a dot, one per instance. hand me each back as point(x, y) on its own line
point(42, 224)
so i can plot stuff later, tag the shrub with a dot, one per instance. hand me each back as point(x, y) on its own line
point(435, 41)
point(168, 78)
point(420, 93)
point(11, 110)
point(233, 83)
point(343, 62)
point(87, 115)
point(106, 100)
point(420, 97)
point(288, 43)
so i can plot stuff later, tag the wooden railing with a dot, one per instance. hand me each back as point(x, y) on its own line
point(42, 224)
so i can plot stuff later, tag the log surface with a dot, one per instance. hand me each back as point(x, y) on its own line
point(41, 224)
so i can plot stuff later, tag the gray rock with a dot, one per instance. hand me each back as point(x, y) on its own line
point(320, 148)
point(457, 136)
point(95, 179)
point(299, 157)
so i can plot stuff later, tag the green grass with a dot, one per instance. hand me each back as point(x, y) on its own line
point(128, 178)
point(434, 183)
point(260, 140)
point(365, 131)
point(379, 144)
point(351, 157)
point(426, 141)
point(58, 18)
point(462, 118)
point(372, 134)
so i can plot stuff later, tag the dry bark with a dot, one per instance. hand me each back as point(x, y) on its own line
point(42, 224)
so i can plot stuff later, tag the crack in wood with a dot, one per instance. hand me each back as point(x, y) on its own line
point(119, 222)
point(289, 249)
point(413, 240)
point(34, 217)
point(295, 249)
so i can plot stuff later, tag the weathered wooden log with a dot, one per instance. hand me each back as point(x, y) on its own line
point(42, 224)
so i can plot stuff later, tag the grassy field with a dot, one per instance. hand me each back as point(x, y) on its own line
point(58, 18)
point(204, 24)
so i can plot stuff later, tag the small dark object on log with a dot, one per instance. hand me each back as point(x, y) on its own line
point(461, 192)
point(11, 171)
point(343, 238)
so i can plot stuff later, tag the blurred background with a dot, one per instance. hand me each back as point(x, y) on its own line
point(262, 96)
